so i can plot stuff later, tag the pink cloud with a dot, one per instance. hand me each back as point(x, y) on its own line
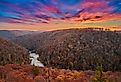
point(94, 4)
point(51, 9)
point(93, 10)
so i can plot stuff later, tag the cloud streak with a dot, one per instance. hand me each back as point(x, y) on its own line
point(45, 11)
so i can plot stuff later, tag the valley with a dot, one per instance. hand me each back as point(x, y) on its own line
point(70, 55)
point(80, 49)
point(60, 40)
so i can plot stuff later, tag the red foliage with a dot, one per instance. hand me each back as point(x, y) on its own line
point(23, 73)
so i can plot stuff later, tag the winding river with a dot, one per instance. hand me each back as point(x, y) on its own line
point(34, 60)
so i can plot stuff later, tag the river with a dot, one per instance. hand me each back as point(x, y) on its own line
point(34, 60)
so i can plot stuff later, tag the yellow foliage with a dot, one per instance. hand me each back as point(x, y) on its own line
point(60, 78)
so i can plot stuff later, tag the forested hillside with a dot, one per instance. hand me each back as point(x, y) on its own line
point(79, 49)
point(11, 53)
point(28, 73)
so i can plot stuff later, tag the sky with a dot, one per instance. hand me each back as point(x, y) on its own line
point(59, 14)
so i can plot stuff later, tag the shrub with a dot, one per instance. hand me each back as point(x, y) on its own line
point(35, 70)
point(99, 76)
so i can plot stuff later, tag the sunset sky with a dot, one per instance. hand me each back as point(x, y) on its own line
point(59, 14)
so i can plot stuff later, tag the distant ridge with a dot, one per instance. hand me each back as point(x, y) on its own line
point(11, 34)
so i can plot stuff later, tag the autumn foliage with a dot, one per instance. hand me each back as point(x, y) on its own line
point(11, 53)
point(23, 73)
point(77, 49)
